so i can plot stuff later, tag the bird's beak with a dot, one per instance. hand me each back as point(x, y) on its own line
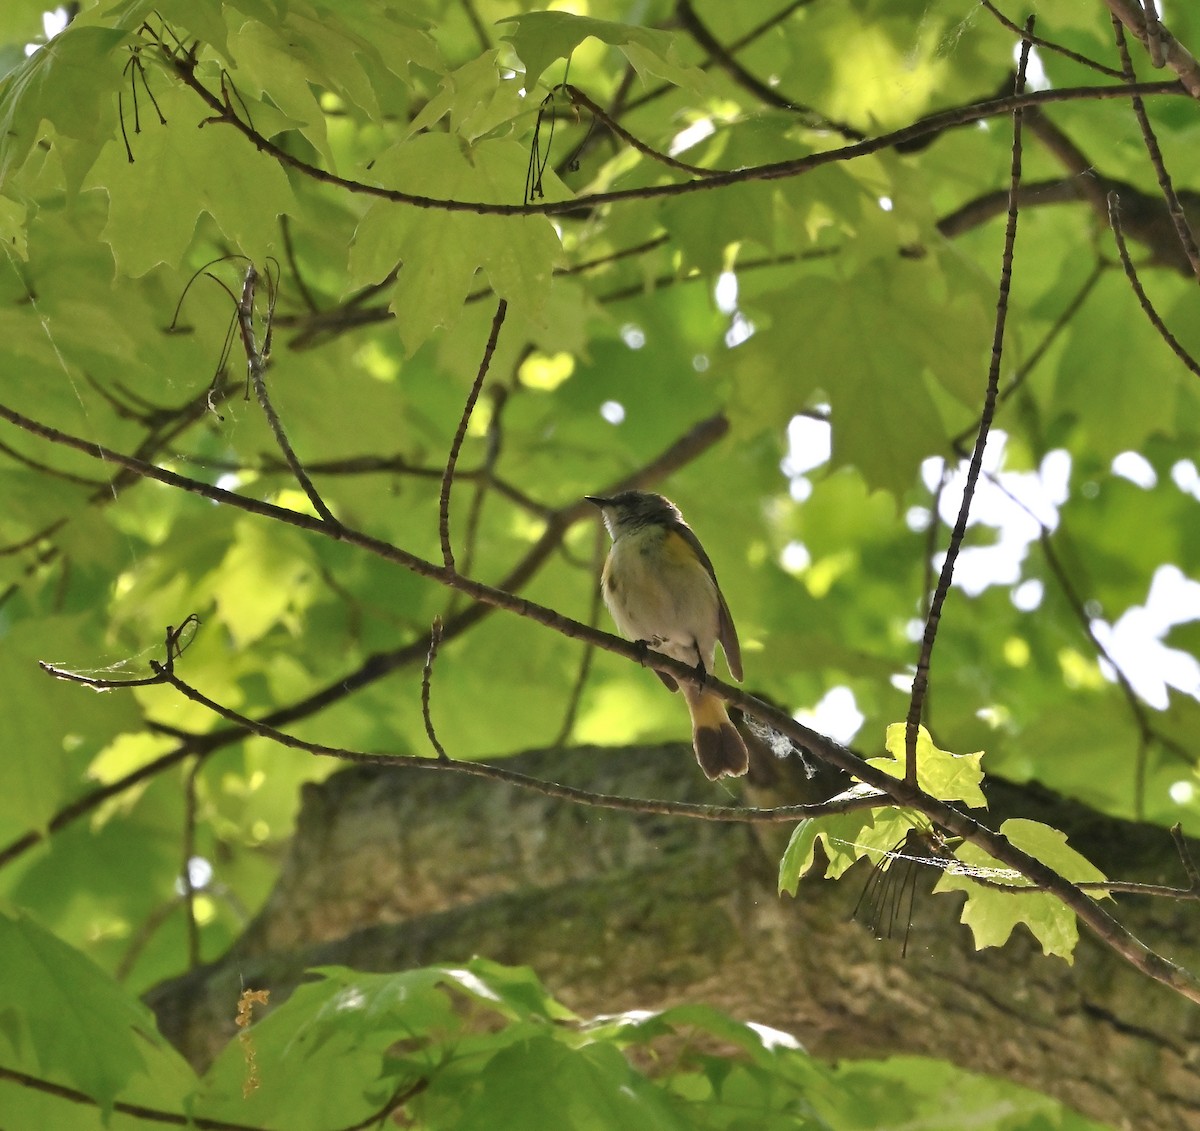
point(597, 500)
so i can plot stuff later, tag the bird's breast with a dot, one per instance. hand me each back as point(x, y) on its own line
point(658, 590)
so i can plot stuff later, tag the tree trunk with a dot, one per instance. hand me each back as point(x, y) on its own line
point(391, 869)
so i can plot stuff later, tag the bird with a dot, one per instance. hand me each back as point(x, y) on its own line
point(661, 589)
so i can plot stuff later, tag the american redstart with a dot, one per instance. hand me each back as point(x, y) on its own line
point(661, 589)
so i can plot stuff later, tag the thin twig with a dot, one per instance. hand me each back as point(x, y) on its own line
point(484, 478)
point(1049, 45)
point(722, 813)
point(1154, 31)
point(585, 663)
point(687, 447)
point(724, 58)
point(601, 115)
point(1187, 239)
point(461, 432)
point(289, 249)
point(435, 640)
point(185, 873)
point(946, 577)
point(1177, 347)
point(1026, 368)
point(184, 67)
point(256, 364)
point(1185, 857)
point(477, 26)
point(52, 472)
point(188, 1119)
point(1175, 55)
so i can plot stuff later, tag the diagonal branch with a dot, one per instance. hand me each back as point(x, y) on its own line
point(184, 66)
point(686, 448)
point(946, 577)
point(461, 432)
point(1187, 239)
point(845, 803)
point(256, 364)
point(1174, 55)
point(902, 792)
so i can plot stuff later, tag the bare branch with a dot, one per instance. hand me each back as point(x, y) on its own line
point(435, 640)
point(184, 67)
point(181, 1119)
point(1187, 239)
point(1049, 45)
point(461, 432)
point(1174, 54)
point(726, 813)
point(723, 57)
point(256, 364)
point(946, 578)
point(687, 447)
point(1177, 347)
point(1185, 857)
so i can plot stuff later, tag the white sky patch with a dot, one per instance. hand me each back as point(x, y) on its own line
point(613, 412)
point(740, 329)
point(633, 336)
point(1185, 476)
point(53, 22)
point(1182, 792)
point(691, 135)
point(1136, 468)
point(836, 715)
point(1135, 640)
point(885, 202)
point(917, 519)
point(809, 445)
point(1028, 595)
point(1016, 505)
point(795, 557)
point(773, 1038)
point(200, 873)
point(1035, 71)
point(726, 292)
point(800, 489)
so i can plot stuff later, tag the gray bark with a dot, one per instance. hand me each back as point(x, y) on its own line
point(391, 869)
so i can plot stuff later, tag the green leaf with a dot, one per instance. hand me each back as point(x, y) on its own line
point(541, 1083)
point(540, 38)
point(348, 1018)
point(70, 1022)
point(476, 100)
point(992, 912)
point(946, 776)
point(261, 582)
point(69, 83)
point(46, 764)
point(179, 172)
point(442, 252)
point(846, 838)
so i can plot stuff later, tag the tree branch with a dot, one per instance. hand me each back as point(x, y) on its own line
point(184, 66)
point(1174, 54)
point(691, 444)
point(946, 577)
point(461, 432)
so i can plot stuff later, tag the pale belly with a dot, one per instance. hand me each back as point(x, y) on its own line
point(671, 605)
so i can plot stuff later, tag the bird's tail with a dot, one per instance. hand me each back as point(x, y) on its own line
point(719, 748)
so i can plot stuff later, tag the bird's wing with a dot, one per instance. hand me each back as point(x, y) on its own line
point(726, 632)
